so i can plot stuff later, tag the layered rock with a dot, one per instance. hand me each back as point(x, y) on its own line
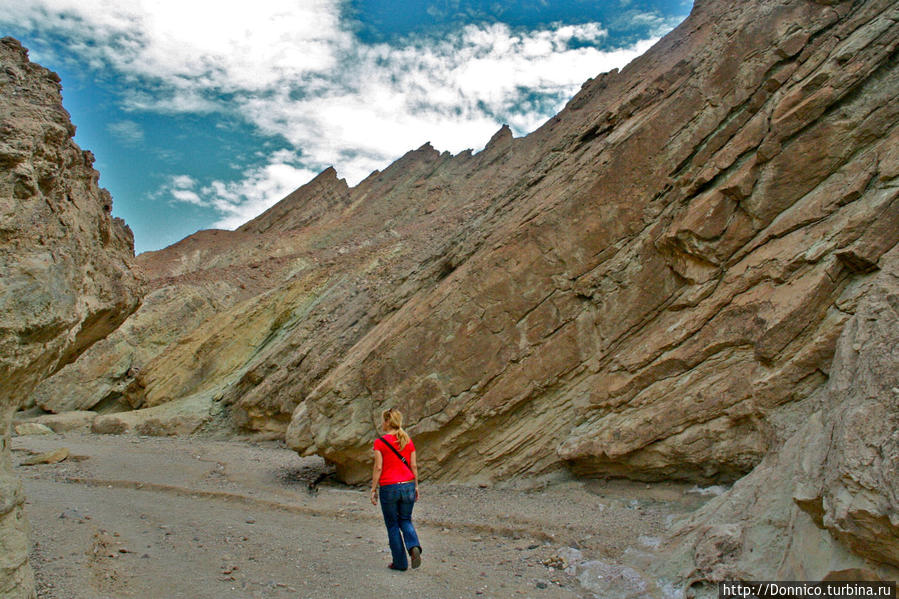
point(825, 505)
point(650, 285)
point(227, 311)
point(65, 262)
point(674, 257)
point(195, 279)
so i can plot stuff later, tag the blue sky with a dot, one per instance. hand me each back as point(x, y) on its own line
point(204, 113)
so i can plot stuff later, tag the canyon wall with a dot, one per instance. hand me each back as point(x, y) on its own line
point(650, 285)
point(65, 262)
point(824, 505)
point(665, 287)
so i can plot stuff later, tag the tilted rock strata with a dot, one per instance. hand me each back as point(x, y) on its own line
point(65, 278)
point(671, 274)
point(190, 282)
point(825, 505)
point(99, 378)
point(650, 285)
point(228, 310)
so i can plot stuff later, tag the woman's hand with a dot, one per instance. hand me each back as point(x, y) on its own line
point(374, 496)
point(416, 491)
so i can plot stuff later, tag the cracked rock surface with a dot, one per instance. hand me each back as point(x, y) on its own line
point(65, 277)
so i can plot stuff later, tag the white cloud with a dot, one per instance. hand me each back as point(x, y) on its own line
point(190, 197)
point(206, 44)
point(183, 182)
point(292, 69)
point(239, 201)
point(454, 93)
point(129, 132)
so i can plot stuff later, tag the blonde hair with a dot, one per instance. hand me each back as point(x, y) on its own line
point(393, 418)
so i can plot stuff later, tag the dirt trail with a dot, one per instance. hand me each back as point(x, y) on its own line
point(158, 518)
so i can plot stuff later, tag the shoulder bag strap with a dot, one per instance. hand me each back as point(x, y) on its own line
point(398, 454)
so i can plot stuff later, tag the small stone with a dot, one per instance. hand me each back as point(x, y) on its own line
point(33, 428)
point(51, 457)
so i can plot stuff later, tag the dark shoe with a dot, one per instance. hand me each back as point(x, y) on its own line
point(392, 567)
point(415, 552)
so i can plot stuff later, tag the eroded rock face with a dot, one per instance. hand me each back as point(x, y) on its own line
point(825, 505)
point(670, 273)
point(65, 278)
point(253, 319)
point(651, 285)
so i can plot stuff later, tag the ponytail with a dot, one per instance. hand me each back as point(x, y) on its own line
point(402, 437)
point(394, 419)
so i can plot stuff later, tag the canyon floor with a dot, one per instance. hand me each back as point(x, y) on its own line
point(128, 516)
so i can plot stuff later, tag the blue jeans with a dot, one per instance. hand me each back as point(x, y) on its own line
point(397, 502)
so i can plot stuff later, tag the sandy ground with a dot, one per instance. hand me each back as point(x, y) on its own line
point(166, 518)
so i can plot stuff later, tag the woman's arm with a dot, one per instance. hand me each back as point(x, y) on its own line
point(413, 464)
point(376, 476)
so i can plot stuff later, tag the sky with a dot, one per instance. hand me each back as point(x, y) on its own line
point(204, 113)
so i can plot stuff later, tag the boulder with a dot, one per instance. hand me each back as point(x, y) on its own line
point(179, 417)
point(32, 428)
point(77, 421)
point(49, 457)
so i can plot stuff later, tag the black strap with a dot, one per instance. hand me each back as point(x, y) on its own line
point(398, 454)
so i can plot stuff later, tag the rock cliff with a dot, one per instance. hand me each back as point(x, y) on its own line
point(651, 285)
point(824, 506)
point(66, 280)
point(671, 262)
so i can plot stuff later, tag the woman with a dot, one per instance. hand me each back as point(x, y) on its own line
point(396, 472)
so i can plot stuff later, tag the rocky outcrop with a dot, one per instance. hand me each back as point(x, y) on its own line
point(65, 278)
point(650, 285)
point(77, 420)
point(673, 259)
point(190, 282)
point(825, 505)
point(228, 310)
point(179, 417)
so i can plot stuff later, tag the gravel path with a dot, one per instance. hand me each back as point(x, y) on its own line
point(194, 518)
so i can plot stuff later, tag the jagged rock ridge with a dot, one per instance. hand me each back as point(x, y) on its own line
point(65, 277)
point(667, 285)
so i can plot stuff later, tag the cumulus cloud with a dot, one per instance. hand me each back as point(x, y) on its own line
point(294, 70)
point(200, 44)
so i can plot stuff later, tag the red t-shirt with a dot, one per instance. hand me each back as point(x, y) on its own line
point(394, 471)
